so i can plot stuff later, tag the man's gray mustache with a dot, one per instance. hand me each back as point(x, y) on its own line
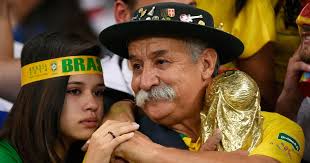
point(157, 93)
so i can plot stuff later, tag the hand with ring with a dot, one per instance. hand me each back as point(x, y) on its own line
point(106, 138)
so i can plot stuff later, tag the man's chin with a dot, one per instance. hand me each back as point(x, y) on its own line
point(157, 110)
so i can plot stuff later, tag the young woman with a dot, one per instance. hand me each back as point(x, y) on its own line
point(60, 103)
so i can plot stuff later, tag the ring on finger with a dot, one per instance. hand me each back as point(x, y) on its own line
point(111, 133)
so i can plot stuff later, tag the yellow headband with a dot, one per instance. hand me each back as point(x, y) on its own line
point(72, 65)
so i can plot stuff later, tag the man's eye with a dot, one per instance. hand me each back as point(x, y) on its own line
point(137, 66)
point(161, 61)
point(73, 91)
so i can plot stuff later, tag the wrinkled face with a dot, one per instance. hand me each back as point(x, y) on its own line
point(168, 84)
point(305, 44)
point(141, 3)
point(83, 106)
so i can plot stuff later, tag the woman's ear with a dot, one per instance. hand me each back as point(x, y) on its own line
point(122, 12)
point(208, 58)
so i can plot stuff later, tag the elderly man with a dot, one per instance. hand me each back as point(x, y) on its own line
point(173, 50)
point(119, 77)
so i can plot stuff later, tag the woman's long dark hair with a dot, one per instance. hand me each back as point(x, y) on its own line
point(33, 125)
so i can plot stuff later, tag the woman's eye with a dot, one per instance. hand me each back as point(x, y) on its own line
point(74, 91)
point(99, 93)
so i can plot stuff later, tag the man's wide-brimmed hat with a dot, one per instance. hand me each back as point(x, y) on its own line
point(171, 19)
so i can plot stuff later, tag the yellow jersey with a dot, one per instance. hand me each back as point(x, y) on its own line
point(254, 25)
point(282, 140)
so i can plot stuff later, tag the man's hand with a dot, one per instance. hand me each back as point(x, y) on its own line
point(213, 141)
point(139, 147)
point(121, 111)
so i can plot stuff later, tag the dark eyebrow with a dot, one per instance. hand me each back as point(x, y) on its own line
point(75, 82)
point(81, 83)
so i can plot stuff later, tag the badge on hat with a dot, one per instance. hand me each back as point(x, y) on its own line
point(171, 12)
point(188, 18)
point(165, 14)
point(155, 18)
point(142, 12)
point(151, 13)
point(201, 23)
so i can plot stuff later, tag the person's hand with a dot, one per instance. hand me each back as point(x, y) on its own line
point(213, 141)
point(290, 98)
point(294, 70)
point(106, 138)
point(139, 147)
point(121, 111)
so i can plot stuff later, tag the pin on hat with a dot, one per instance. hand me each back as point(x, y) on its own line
point(175, 20)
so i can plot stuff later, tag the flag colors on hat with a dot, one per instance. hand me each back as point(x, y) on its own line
point(171, 19)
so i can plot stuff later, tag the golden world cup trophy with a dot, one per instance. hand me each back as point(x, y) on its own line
point(232, 104)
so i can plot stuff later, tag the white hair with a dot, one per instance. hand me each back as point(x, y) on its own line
point(196, 47)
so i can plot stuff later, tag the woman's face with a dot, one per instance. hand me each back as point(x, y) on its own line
point(83, 106)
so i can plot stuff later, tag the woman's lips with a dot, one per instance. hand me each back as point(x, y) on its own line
point(90, 122)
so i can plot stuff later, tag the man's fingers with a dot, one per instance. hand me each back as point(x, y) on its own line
point(212, 142)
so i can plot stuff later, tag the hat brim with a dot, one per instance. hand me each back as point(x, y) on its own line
point(117, 37)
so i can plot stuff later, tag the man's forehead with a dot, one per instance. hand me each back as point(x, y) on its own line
point(155, 45)
point(156, 41)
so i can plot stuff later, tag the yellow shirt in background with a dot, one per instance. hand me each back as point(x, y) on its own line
point(254, 26)
point(282, 140)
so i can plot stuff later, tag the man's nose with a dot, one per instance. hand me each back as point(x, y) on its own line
point(149, 78)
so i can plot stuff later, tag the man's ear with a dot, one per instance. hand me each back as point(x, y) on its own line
point(208, 58)
point(122, 12)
